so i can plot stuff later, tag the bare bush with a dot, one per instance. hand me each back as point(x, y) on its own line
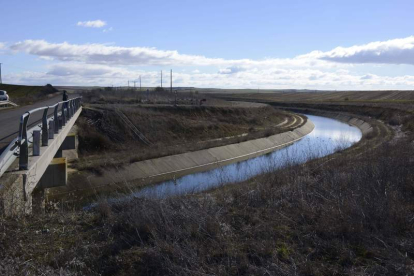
point(306, 219)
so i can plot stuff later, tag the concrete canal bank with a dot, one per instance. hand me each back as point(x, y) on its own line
point(174, 166)
point(352, 120)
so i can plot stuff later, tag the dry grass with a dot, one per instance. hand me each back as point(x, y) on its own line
point(167, 130)
point(382, 100)
point(350, 216)
point(111, 95)
point(328, 96)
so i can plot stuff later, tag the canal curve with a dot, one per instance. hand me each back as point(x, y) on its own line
point(329, 136)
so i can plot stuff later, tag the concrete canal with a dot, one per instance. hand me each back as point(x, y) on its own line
point(328, 136)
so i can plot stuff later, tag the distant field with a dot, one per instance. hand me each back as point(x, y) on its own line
point(293, 95)
point(250, 91)
point(22, 93)
point(355, 96)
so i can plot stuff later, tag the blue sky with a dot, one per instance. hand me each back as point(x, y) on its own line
point(227, 44)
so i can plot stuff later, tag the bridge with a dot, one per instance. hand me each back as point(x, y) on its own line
point(31, 157)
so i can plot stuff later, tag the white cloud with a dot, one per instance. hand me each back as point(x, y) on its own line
point(2, 46)
point(395, 51)
point(367, 77)
point(92, 24)
point(84, 70)
point(225, 71)
point(68, 73)
point(100, 64)
point(232, 70)
point(110, 29)
point(115, 55)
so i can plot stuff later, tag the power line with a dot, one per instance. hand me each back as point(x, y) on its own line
point(0, 74)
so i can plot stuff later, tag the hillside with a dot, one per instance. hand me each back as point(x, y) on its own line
point(25, 94)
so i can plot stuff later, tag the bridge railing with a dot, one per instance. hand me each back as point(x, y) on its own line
point(62, 112)
point(7, 103)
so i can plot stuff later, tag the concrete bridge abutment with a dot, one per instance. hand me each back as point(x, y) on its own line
point(23, 191)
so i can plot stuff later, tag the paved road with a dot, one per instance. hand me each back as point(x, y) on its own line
point(10, 119)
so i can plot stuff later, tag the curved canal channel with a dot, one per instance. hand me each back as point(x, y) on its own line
point(328, 136)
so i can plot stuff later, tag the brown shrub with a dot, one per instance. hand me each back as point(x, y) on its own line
point(90, 140)
point(348, 215)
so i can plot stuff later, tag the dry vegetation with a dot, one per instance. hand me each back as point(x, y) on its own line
point(156, 95)
point(403, 100)
point(131, 133)
point(347, 214)
point(304, 220)
point(333, 96)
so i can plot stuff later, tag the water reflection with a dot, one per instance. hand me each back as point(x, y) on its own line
point(328, 136)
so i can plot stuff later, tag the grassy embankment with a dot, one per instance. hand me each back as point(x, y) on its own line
point(27, 94)
point(395, 107)
point(347, 214)
point(112, 135)
point(158, 129)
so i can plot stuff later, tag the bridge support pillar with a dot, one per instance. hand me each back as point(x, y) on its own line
point(58, 154)
point(70, 146)
point(22, 191)
point(55, 175)
point(38, 201)
point(17, 202)
point(14, 201)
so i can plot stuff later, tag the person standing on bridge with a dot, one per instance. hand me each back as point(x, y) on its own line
point(65, 98)
point(65, 95)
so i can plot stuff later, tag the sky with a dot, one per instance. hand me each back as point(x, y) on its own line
point(261, 44)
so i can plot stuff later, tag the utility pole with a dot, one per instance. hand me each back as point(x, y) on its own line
point(161, 78)
point(0, 75)
point(171, 81)
point(139, 83)
point(134, 85)
point(128, 84)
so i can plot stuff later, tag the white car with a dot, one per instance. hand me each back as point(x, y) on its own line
point(3, 96)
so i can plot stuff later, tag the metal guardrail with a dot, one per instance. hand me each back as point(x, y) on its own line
point(5, 103)
point(20, 145)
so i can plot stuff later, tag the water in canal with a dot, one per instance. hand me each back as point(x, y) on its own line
point(328, 136)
